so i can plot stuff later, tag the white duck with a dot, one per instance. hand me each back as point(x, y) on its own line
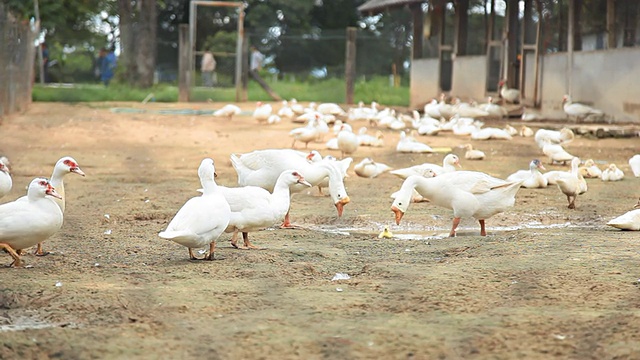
point(508, 94)
point(494, 110)
point(227, 111)
point(634, 163)
point(561, 137)
point(305, 134)
point(365, 139)
point(262, 168)
point(408, 144)
point(274, 119)
point(254, 208)
point(467, 193)
point(526, 131)
point(202, 219)
point(590, 170)
point(572, 183)
point(449, 164)
point(65, 165)
point(577, 110)
point(262, 112)
point(531, 178)
point(5, 179)
point(629, 220)
point(556, 153)
point(26, 223)
point(473, 154)
point(347, 141)
point(432, 109)
point(331, 109)
point(285, 111)
point(612, 173)
point(446, 110)
point(489, 133)
point(369, 169)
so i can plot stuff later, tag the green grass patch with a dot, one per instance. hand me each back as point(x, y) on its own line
point(329, 90)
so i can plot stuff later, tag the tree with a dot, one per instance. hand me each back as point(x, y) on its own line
point(138, 29)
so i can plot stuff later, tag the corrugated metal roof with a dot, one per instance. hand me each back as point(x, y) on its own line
point(381, 5)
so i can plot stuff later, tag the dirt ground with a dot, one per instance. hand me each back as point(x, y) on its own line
point(547, 282)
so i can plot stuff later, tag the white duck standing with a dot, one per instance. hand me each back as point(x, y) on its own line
point(254, 208)
point(634, 163)
point(629, 220)
point(262, 112)
point(612, 173)
point(305, 134)
point(531, 178)
point(369, 169)
point(572, 183)
point(6, 182)
point(449, 164)
point(576, 110)
point(467, 193)
point(556, 153)
point(202, 219)
point(262, 168)
point(347, 141)
point(66, 165)
point(508, 94)
point(26, 223)
point(227, 111)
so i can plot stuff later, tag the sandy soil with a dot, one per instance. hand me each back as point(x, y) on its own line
point(548, 282)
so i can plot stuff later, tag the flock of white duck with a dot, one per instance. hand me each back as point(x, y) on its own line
point(268, 178)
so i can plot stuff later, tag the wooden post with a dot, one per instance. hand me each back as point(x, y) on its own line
point(184, 63)
point(350, 64)
point(611, 24)
point(512, 44)
point(570, 47)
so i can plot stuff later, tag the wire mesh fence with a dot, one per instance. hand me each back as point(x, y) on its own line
point(17, 54)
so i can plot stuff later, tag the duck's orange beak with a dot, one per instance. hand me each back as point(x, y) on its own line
point(340, 205)
point(398, 213)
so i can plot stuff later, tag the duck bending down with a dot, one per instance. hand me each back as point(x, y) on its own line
point(65, 165)
point(467, 193)
point(572, 183)
point(202, 219)
point(254, 208)
point(6, 183)
point(561, 137)
point(227, 111)
point(556, 153)
point(629, 220)
point(449, 164)
point(26, 223)
point(262, 168)
point(531, 178)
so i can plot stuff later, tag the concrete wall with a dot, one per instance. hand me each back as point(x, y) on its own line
point(469, 77)
point(605, 79)
point(424, 81)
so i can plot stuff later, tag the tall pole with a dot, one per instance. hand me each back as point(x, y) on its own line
point(241, 94)
point(36, 10)
point(350, 64)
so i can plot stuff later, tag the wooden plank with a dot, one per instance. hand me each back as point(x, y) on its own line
point(184, 66)
point(265, 86)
